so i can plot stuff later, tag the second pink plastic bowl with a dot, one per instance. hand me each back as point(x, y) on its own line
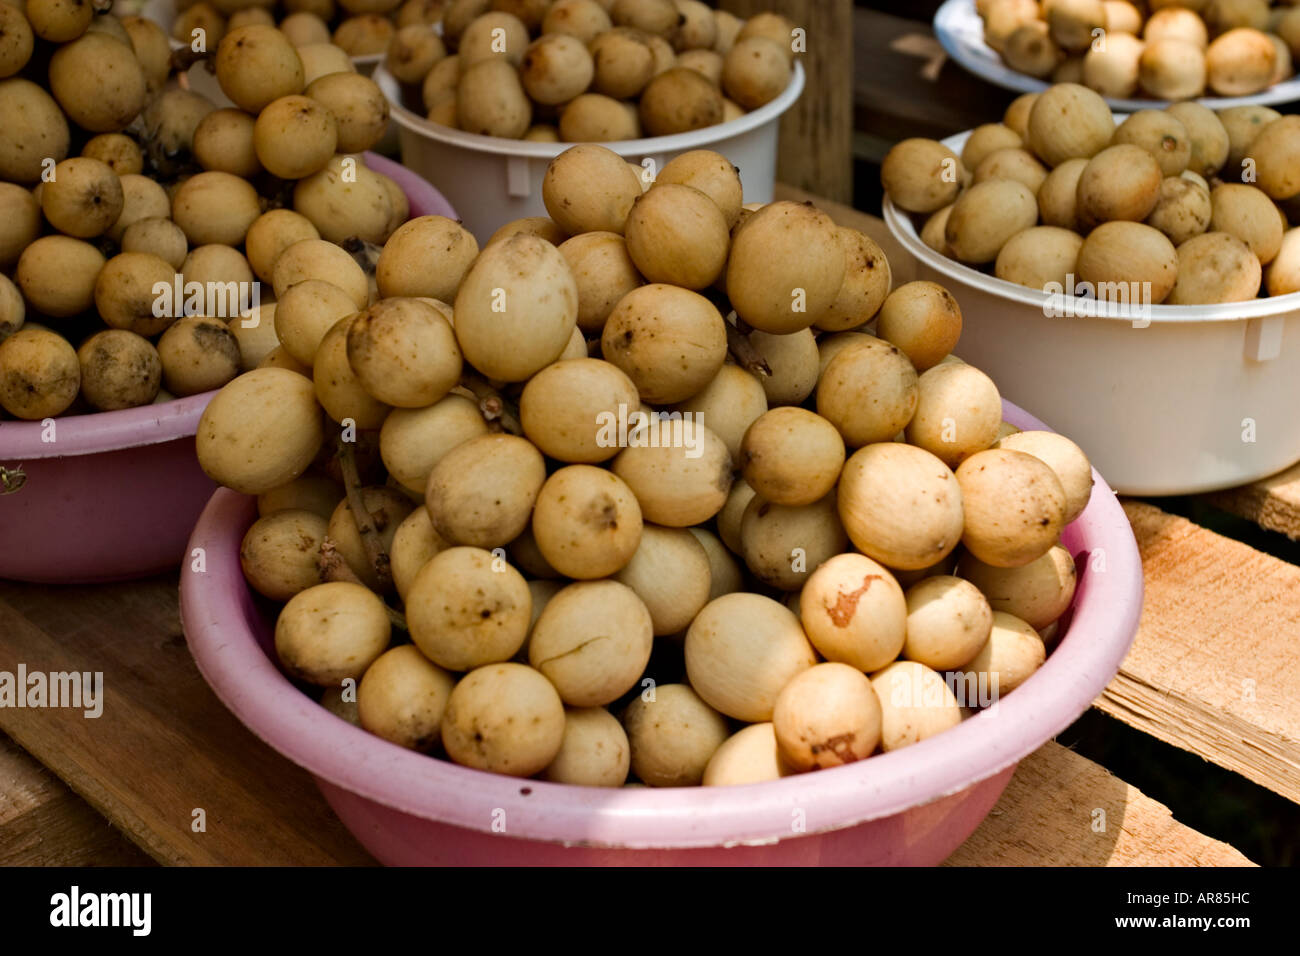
point(115, 495)
point(912, 806)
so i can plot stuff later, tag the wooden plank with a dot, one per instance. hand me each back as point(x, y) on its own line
point(1213, 665)
point(1045, 818)
point(817, 132)
point(907, 86)
point(164, 745)
point(1272, 503)
point(1061, 809)
point(43, 823)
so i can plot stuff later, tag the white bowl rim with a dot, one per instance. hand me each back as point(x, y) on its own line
point(254, 689)
point(901, 225)
point(677, 142)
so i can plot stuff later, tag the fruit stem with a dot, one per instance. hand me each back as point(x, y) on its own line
point(331, 565)
point(396, 618)
point(370, 537)
point(495, 407)
point(334, 568)
point(186, 57)
point(743, 351)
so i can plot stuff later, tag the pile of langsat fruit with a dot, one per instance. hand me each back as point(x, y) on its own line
point(1168, 51)
point(1188, 205)
point(360, 28)
point(624, 528)
point(138, 220)
point(591, 71)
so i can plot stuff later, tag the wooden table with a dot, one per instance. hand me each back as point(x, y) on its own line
point(1210, 672)
point(167, 746)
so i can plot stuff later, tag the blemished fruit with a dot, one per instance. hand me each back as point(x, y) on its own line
point(633, 541)
point(39, 374)
point(506, 718)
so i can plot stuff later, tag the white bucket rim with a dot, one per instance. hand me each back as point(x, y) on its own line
point(677, 142)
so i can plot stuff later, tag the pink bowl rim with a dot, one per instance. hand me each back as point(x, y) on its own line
point(106, 431)
point(1104, 623)
point(101, 432)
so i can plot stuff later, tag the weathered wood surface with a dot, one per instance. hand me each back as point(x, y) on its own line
point(1272, 503)
point(164, 746)
point(1061, 809)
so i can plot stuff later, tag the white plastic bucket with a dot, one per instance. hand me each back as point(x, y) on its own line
point(492, 181)
point(1202, 398)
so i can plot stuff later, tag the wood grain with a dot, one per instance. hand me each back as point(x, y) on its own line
point(1213, 667)
point(43, 823)
point(1061, 809)
point(906, 86)
point(164, 746)
point(1272, 503)
point(817, 132)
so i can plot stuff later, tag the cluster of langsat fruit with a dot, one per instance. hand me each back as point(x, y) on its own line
point(358, 28)
point(544, 457)
point(129, 202)
point(1189, 205)
point(1169, 51)
point(592, 71)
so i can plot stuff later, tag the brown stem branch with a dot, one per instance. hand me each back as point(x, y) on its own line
point(396, 618)
point(334, 568)
point(370, 537)
point(744, 352)
point(331, 565)
point(496, 408)
point(186, 57)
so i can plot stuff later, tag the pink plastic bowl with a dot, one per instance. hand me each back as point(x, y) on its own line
point(912, 806)
point(116, 495)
